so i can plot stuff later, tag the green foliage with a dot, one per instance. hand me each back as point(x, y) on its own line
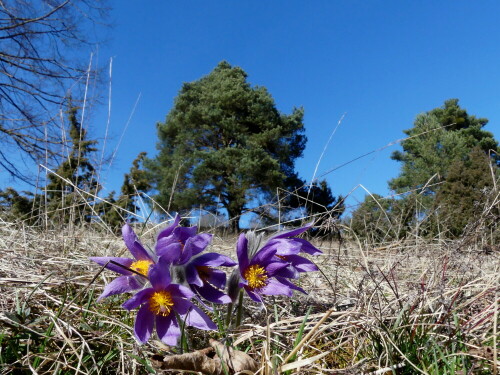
point(467, 186)
point(114, 212)
point(298, 200)
point(437, 139)
point(76, 174)
point(445, 181)
point(382, 219)
point(69, 193)
point(17, 205)
point(318, 202)
point(224, 143)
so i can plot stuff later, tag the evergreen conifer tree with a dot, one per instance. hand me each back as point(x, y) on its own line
point(440, 174)
point(223, 144)
point(437, 139)
point(74, 177)
point(463, 196)
point(115, 212)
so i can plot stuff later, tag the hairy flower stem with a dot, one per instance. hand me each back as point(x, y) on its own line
point(228, 315)
point(240, 309)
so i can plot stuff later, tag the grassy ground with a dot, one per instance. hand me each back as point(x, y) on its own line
point(413, 307)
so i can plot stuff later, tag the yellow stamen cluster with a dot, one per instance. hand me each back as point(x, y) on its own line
point(160, 303)
point(141, 266)
point(256, 276)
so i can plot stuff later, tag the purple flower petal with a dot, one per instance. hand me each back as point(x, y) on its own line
point(138, 299)
point(200, 242)
point(106, 262)
point(211, 294)
point(192, 275)
point(289, 272)
point(165, 241)
point(263, 256)
point(284, 246)
point(213, 260)
point(181, 306)
point(273, 267)
point(168, 329)
point(183, 233)
point(242, 251)
point(159, 274)
point(180, 291)
point(254, 295)
point(294, 232)
point(301, 264)
point(198, 319)
point(308, 248)
point(168, 230)
point(144, 324)
point(217, 278)
point(275, 288)
point(290, 285)
point(122, 284)
point(242, 282)
point(186, 252)
point(170, 252)
point(133, 244)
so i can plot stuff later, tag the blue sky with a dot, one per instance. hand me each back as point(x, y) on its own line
point(378, 62)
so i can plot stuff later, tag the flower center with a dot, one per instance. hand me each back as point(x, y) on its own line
point(141, 266)
point(204, 272)
point(160, 303)
point(256, 276)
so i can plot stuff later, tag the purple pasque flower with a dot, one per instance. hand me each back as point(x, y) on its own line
point(160, 304)
point(288, 247)
point(134, 270)
point(205, 280)
point(258, 273)
point(179, 244)
point(181, 247)
point(290, 238)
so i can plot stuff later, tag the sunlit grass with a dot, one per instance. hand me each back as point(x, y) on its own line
point(419, 307)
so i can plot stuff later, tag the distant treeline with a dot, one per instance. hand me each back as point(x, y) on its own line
point(226, 149)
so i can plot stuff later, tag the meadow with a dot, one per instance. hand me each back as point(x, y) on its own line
point(416, 306)
point(418, 294)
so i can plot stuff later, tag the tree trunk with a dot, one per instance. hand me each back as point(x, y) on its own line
point(234, 219)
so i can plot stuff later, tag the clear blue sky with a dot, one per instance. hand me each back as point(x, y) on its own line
point(379, 62)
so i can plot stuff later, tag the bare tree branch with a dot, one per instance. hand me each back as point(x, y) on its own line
point(44, 49)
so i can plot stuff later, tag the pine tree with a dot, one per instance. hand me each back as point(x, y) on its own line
point(223, 144)
point(16, 205)
point(383, 219)
point(115, 212)
point(461, 199)
point(75, 176)
point(440, 144)
point(437, 139)
point(319, 203)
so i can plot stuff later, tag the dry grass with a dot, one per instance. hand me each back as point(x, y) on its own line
point(416, 307)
